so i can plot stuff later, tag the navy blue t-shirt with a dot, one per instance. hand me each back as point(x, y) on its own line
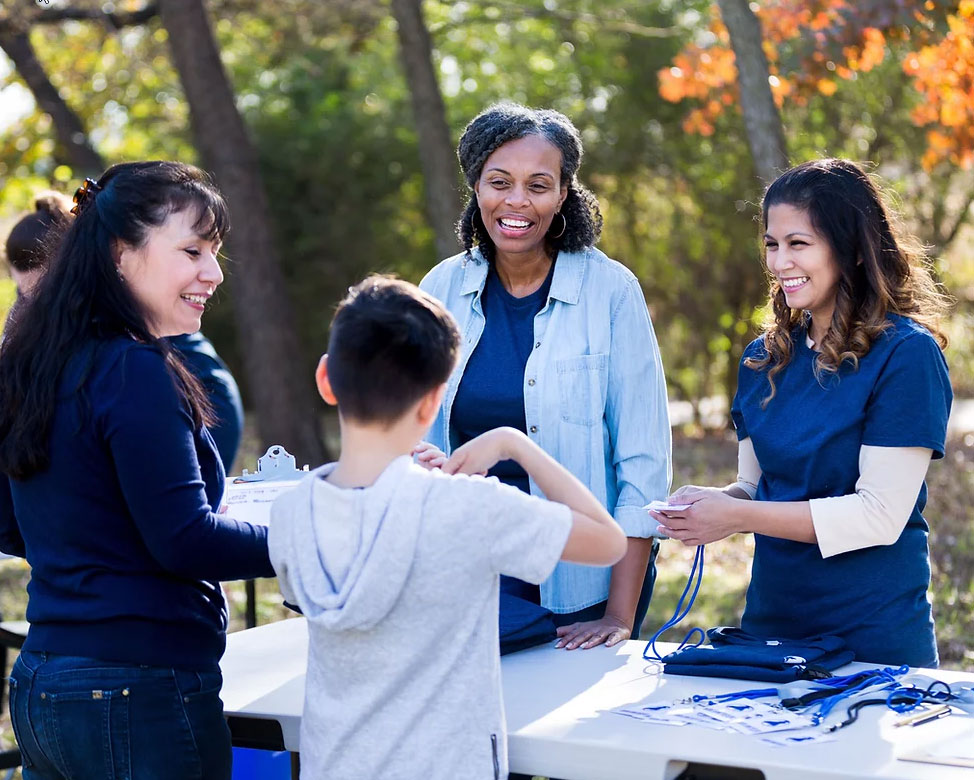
point(807, 443)
point(491, 392)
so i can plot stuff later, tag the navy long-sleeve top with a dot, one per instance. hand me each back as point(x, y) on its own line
point(125, 548)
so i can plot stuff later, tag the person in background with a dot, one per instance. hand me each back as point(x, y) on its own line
point(31, 240)
point(840, 406)
point(557, 343)
point(221, 390)
point(397, 568)
point(109, 489)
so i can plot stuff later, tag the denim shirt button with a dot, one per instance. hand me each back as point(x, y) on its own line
point(530, 383)
point(534, 429)
point(537, 344)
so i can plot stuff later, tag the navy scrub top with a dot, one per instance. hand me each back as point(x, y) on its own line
point(807, 441)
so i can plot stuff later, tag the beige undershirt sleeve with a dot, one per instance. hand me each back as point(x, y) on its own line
point(748, 468)
point(889, 482)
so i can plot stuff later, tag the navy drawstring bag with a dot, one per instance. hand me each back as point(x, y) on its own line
point(523, 623)
point(738, 655)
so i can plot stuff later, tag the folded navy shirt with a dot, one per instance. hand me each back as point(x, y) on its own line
point(738, 655)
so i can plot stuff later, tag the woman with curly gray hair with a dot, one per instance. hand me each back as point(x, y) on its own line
point(558, 343)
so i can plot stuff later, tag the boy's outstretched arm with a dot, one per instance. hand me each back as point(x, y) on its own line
point(595, 537)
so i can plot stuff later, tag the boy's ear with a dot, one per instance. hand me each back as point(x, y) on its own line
point(429, 405)
point(324, 385)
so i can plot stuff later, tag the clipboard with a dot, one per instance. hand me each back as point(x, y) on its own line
point(956, 750)
point(250, 495)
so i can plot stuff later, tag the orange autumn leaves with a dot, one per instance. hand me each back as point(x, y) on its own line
point(707, 74)
point(944, 74)
point(813, 44)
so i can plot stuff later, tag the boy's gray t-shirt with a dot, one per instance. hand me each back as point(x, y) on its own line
point(399, 582)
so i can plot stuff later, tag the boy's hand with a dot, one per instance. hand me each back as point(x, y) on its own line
point(429, 456)
point(478, 455)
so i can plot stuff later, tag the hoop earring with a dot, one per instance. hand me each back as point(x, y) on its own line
point(564, 225)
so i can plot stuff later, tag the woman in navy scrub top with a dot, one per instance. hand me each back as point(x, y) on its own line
point(840, 406)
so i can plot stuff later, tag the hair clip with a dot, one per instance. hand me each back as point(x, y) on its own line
point(83, 194)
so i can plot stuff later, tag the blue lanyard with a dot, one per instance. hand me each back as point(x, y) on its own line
point(681, 611)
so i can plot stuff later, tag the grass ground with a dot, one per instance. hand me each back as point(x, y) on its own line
point(711, 460)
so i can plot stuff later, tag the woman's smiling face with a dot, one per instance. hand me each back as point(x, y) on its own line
point(519, 192)
point(173, 274)
point(801, 259)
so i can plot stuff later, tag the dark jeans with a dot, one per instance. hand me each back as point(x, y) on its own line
point(86, 719)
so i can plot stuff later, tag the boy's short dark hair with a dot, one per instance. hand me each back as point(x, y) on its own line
point(390, 344)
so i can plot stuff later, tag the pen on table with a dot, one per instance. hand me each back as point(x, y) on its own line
point(937, 712)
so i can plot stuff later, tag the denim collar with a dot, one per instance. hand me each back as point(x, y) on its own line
point(566, 285)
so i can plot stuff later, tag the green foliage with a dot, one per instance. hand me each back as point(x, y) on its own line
point(951, 484)
point(329, 116)
point(8, 294)
point(124, 90)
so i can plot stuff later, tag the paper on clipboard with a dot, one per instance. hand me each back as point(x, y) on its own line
point(249, 497)
point(957, 750)
point(251, 501)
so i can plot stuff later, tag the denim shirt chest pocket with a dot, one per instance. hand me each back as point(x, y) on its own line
point(583, 383)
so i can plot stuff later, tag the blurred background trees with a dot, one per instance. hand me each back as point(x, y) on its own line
point(343, 161)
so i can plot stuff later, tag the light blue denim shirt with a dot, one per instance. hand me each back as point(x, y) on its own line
point(594, 393)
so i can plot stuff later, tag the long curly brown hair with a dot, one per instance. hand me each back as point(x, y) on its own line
point(882, 270)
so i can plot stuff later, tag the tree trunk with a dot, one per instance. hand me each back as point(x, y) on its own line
point(765, 134)
point(436, 155)
point(279, 381)
point(72, 139)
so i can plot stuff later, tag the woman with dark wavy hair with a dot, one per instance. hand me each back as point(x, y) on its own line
point(840, 406)
point(109, 489)
point(557, 342)
point(34, 239)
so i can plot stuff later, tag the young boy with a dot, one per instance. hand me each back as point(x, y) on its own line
point(396, 568)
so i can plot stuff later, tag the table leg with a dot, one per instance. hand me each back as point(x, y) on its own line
point(250, 615)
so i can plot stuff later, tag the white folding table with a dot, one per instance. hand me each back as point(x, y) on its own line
point(560, 724)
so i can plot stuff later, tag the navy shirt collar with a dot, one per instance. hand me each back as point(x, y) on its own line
point(566, 285)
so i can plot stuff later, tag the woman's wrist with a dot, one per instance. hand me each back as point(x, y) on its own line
point(738, 490)
point(738, 513)
point(623, 622)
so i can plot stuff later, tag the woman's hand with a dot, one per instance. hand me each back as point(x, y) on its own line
point(712, 515)
point(592, 633)
point(429, 456)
